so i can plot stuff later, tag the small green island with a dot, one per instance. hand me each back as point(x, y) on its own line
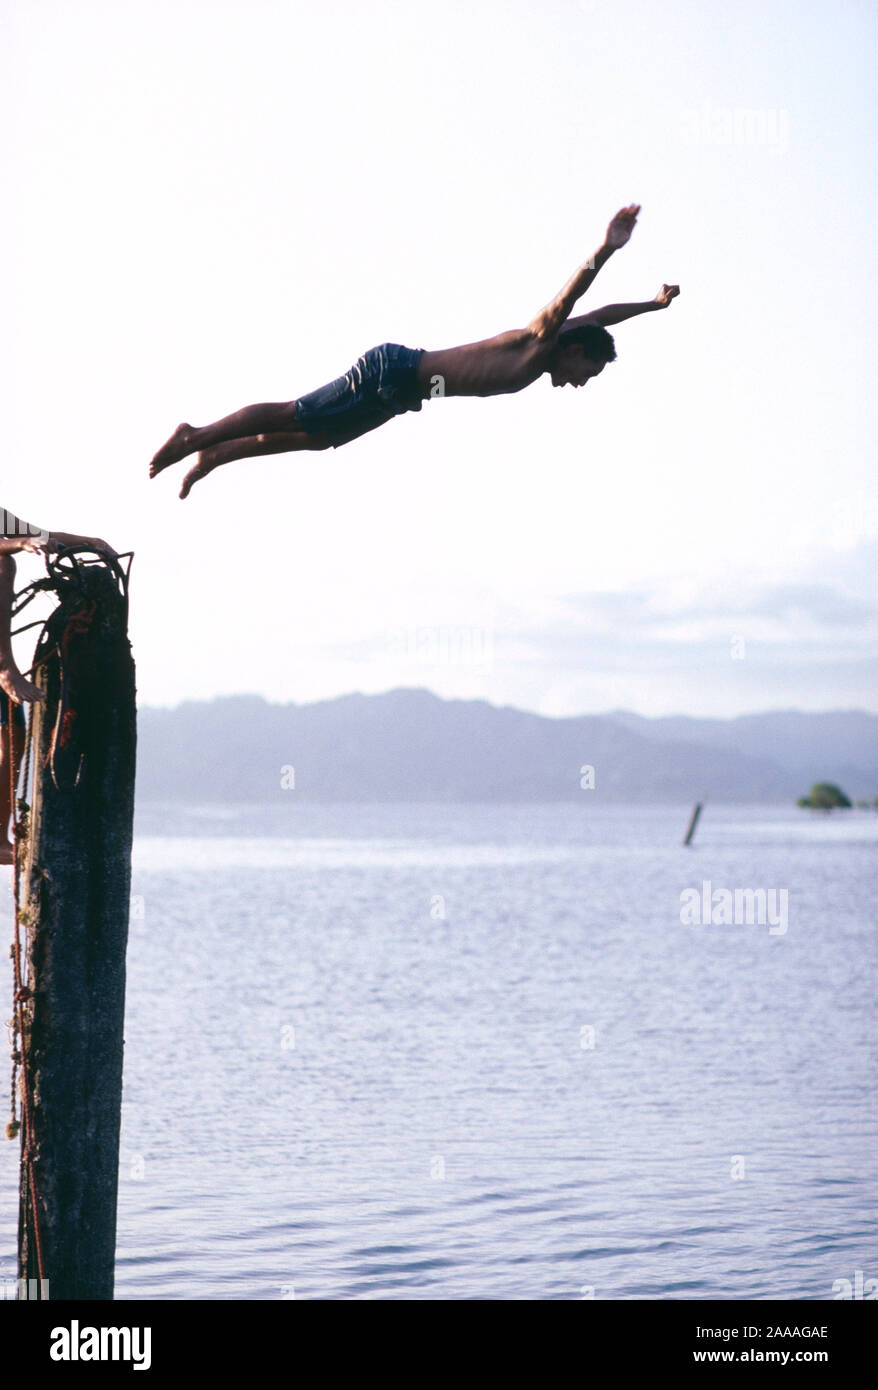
point(825, 796)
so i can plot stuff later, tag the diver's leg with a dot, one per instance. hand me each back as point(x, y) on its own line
point(278, 443)
point(242, 424)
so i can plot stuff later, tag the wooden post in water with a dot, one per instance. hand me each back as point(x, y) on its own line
point(692, 823)
point(75, 883)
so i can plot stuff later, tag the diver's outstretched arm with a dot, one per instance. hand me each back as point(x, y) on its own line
point(549, 320)
point(618, 313)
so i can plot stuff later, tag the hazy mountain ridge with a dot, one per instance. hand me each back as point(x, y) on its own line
point(410, 745)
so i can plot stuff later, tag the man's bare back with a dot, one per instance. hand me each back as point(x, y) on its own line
point(493, 367)
point(391, 379)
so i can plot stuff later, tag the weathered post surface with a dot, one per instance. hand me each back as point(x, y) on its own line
point(75, 894)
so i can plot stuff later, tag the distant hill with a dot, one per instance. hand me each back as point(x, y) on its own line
point(410, 745)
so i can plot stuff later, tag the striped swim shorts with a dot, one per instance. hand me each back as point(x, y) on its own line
point(382, 383)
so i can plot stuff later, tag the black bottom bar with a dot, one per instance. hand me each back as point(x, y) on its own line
point(621, 1338)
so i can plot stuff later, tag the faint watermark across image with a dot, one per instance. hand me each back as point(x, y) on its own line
point(764, 127)
point(13, 526)
point(857, 1288)
point(854, 519)
point(738, 907)
point(25, 1290)
point(443, 645)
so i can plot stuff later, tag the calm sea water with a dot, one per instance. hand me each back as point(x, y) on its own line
point(472, 1052)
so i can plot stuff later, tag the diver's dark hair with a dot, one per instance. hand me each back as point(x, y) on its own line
point(596, 341)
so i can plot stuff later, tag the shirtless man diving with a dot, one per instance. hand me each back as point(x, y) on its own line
point(391, 379)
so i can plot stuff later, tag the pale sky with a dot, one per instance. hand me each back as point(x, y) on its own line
point(210, 204)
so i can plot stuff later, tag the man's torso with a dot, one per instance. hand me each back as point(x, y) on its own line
point(495, 366)
point(392, 379)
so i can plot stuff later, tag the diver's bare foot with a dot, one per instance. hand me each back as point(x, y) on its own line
point(7, 853)
point(14, 684)
point(207, 461)
point(177, 447)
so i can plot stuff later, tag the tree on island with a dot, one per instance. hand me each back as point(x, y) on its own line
point(824, 796)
